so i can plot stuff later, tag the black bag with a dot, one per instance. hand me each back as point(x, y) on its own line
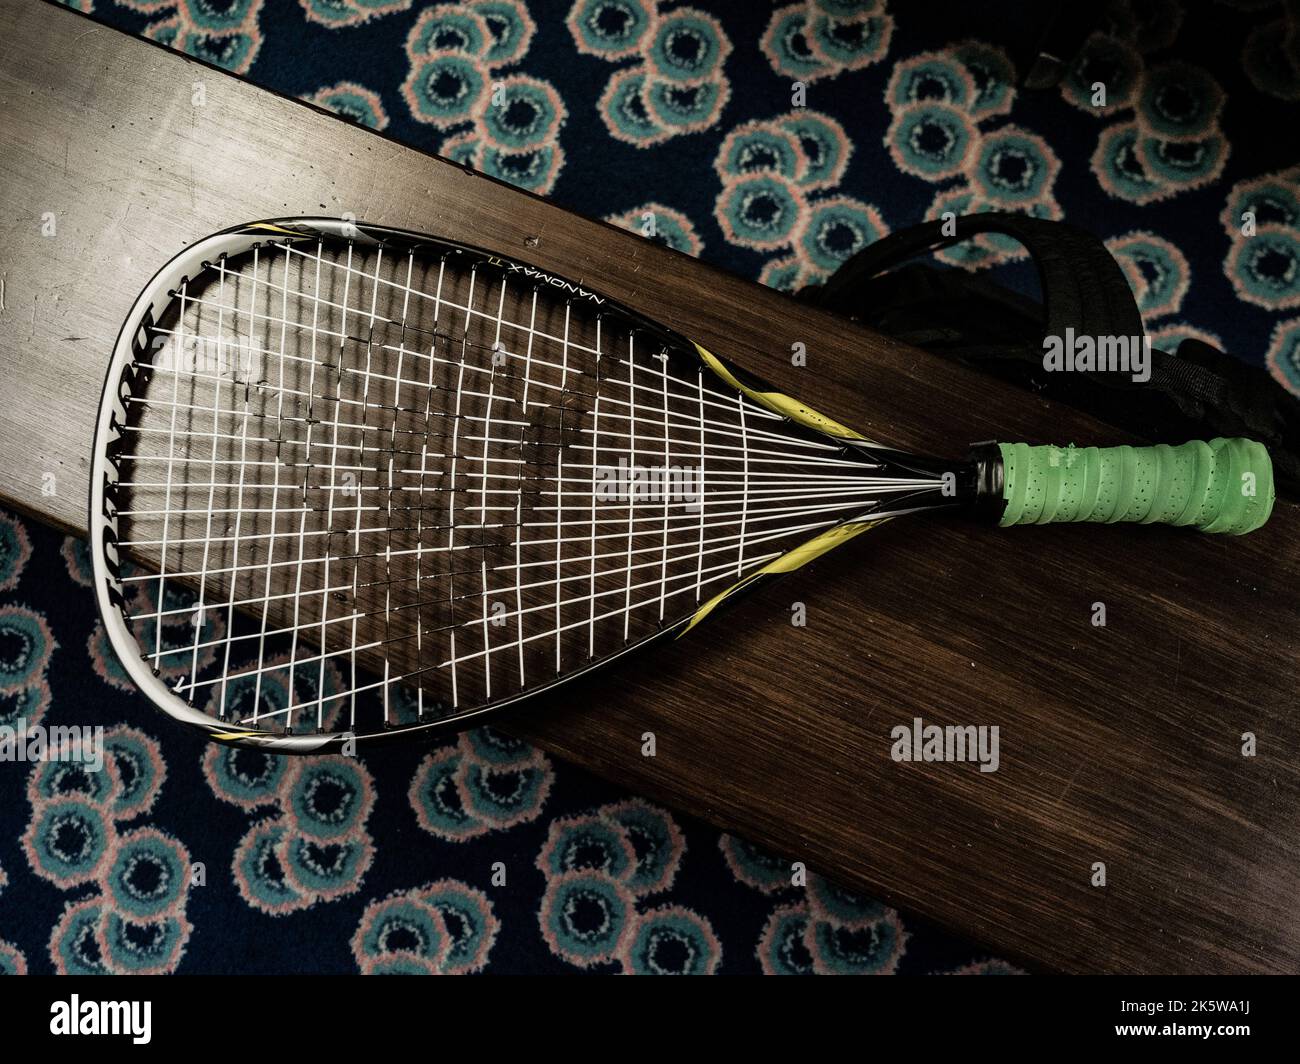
point(1196, 392)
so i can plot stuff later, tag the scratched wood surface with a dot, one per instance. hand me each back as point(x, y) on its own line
point(1119, 744)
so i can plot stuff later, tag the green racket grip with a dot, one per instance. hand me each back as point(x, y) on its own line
point(1225, 485)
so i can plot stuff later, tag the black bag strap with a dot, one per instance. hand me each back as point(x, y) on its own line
point(1082, 284)
point(1199, 391)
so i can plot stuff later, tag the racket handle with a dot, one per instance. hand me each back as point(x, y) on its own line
point(1225, 485)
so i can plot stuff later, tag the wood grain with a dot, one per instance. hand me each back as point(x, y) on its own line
point(1119, 744)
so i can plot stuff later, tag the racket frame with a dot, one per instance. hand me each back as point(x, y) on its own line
point(135, 340)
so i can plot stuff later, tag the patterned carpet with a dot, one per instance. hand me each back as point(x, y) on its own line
point(483, 854)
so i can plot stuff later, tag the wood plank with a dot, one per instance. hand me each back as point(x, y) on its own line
point(1119, 744)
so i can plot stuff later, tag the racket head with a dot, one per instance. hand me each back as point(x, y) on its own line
point(264, 610)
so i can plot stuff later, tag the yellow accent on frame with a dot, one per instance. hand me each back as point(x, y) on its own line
point(788, 562)
point(780, 403)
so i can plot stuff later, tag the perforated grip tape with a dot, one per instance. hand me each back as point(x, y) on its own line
point(1220, 486)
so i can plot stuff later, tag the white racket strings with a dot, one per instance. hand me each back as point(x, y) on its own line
point(366, 487)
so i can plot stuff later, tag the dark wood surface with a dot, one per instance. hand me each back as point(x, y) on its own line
point(1119, 744)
